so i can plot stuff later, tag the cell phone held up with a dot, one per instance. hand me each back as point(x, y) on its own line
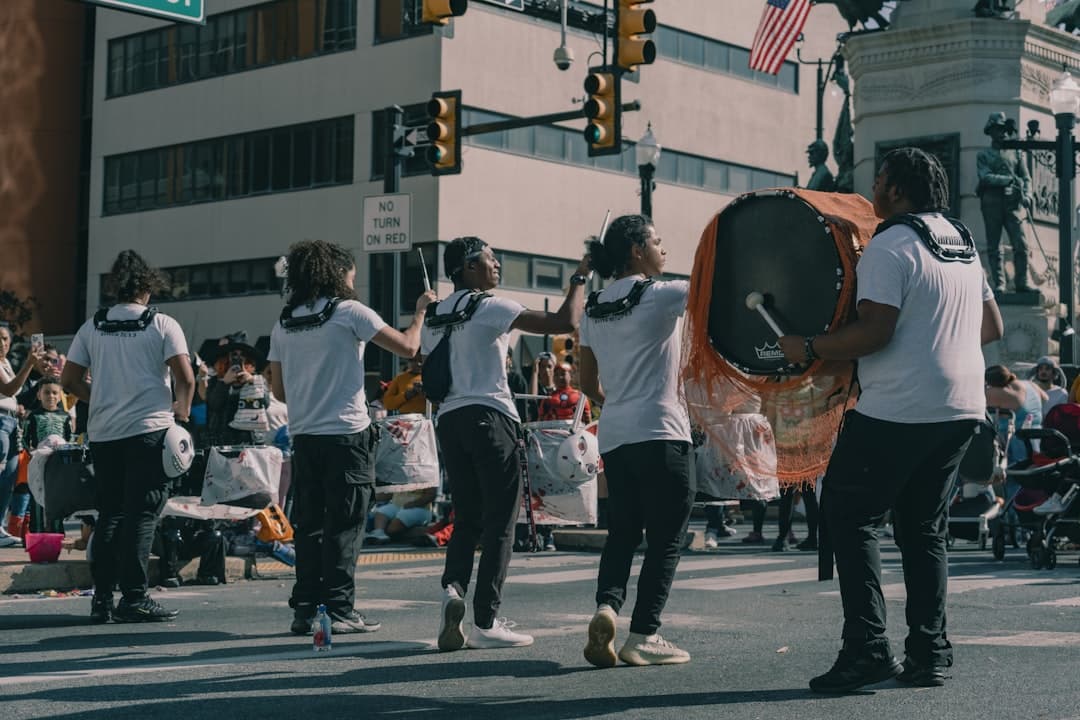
point(37, 343)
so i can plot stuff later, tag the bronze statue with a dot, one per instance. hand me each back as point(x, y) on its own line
point(859, 11)
point(843, 139)
point(994, 9)
point(821, 179)
point(1004, 190)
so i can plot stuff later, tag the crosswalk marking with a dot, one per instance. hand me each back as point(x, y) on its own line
point(968, 583)
point(1030, 638)
point(719, 563)
point(748, 580)
point(1062, 602)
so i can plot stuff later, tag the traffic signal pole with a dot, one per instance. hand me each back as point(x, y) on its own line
point(394, 119)
point(515, 123)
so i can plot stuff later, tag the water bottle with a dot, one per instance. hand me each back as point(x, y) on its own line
point(320, 630)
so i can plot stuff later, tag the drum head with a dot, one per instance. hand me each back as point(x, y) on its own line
point(777, 245)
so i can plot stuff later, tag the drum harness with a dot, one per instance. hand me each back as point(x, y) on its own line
point(614, 309)
point(308, 322)
point(948, 248)
point(103, 325)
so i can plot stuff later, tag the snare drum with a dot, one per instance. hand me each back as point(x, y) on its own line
point(407, 457)
point(559, 495)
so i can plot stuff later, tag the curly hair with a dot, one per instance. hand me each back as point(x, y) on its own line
point(317, 269)
point(919, 177)
point(610, 255)
point(131, 277)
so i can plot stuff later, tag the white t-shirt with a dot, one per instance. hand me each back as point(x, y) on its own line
point(7, 374)
point(1054, 396)
point(638, 356)
point(131, 393)
point(477, 353)
point(322, 368)
point(932, 369)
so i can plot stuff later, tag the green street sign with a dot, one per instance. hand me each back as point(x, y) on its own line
point(192, 11)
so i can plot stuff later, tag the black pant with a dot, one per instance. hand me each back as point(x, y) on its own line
point(334, 481)
point(878, 465)
point(651, 487)
point(131, 492)
point(480, 452)
point(787, 510)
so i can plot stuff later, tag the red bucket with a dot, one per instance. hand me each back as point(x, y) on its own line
point(44, 547)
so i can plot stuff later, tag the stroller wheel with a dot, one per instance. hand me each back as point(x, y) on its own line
point(998, 547)
point(1051, 560)
point(1036, 557)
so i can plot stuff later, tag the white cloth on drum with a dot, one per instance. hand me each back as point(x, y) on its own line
point(406, 457)
point(557, 499)
point(35, 473)
point(738, 460)
point(189, 506)
point(234, 473)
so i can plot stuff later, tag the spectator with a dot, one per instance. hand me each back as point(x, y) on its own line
point(405, 510)
point(52, 366)
point(542, 382)
point(49, 417)
point(1046, 378)
point(1004, 390)
point(525, 408)
point(10, 383)
point(131, 348)
point(234, 364)
point(405, 393)
point(562, 401)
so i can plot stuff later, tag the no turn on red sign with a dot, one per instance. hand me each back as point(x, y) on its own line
point(387, 223)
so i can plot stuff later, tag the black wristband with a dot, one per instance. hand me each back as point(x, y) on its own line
point(808, 349)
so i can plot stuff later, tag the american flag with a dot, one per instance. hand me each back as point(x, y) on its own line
point(780, 26)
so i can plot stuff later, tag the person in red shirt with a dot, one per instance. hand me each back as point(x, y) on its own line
point(564, 400)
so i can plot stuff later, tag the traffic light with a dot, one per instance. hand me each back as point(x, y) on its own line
point(444, 132)
point(632, 21)
point(439, 12)
point(604, 131)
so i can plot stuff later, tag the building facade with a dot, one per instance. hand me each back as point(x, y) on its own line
point(216, 147)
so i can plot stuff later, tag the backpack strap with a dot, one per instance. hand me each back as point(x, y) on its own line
point(953, 247)
point(308, 322)
point(456, 317)
point(104, 325)
point(612, 309)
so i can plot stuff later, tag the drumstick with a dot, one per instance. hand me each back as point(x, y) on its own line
point(603, 228)
point(578, 411)
point(423, 267)
point(756, 301)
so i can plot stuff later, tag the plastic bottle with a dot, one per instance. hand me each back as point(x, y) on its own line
point(320, 630)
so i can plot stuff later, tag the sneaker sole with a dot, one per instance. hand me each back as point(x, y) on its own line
point(133, 619)
point(638, 660)
point(451, 636)
point(495, 645)
point(600, 650)
point(885, 674)
point(341, 628)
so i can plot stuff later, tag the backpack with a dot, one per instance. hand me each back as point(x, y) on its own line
point(437, 374)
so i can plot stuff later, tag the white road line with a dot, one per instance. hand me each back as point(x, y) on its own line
point(720, 563)
point(1061, 602)
point(968, 583)
point(1032, 638)
point(748, 580)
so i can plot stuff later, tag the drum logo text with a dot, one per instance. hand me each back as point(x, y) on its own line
point(769, 351)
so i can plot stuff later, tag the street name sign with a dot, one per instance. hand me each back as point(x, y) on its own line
point(387, 221)
point(192, 11)
point(509, 4)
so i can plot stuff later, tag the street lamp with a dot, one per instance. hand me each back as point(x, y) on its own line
point(1065, 104)
point(647, 152)
point(825, 73)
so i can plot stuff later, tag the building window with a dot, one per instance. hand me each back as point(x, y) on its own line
point(296, 157)
point(274, 32)
point(211, 281)
point(398, 20)
point(566, 145)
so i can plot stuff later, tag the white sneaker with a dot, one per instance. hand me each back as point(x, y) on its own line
point(600, 650)
point(378, 537)
point(451, 631)
point(1053, 506)
point(499, 635)
point(7, 540)
point(651, 650)
point(711, 541)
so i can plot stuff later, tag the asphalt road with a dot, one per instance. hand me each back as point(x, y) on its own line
point(757, 624)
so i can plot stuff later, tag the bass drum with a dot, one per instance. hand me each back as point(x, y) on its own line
point(406, 458)
point(782, 244)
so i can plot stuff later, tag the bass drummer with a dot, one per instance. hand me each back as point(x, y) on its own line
point(630, 353)
point(480, 434)
point(317, 367)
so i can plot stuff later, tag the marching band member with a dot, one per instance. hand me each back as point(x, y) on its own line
point(480, 433)
point(317, 361)
point(630, 354)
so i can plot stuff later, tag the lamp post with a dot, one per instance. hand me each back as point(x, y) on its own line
point(1065, 104)
point(825, 73)
point(647, 152)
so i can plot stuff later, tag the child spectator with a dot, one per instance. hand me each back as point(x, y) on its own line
point(49, 418)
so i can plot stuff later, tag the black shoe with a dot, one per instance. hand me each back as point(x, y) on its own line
point(171, 583)
point(352, 622)
point(144, 610)
point(922, 675)
point(303, 614)
point(780, 545)
point(853, 671)
point(101, 608)
point(808, 544)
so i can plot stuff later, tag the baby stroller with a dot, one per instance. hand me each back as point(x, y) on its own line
point(974, 506)
point(1050, 468)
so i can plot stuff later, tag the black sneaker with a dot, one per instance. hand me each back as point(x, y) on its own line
point(144, 610)
point(101, 608)
point(352, 622)
point(780, 545)
point(852, 671)
point(303, 614)
point(808, 544)
point(922, 675)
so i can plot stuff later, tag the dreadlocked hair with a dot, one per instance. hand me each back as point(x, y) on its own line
point(131, 277)
point(610, 255)
point(919, 177)
point(317, 269)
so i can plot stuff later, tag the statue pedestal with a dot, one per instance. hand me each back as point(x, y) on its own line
point(1032, 298)
point(1027, 334)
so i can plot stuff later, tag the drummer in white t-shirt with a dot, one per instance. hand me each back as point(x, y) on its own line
point(630, 354)
point(317, 367)
point(478, 430)
point(131, 349)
